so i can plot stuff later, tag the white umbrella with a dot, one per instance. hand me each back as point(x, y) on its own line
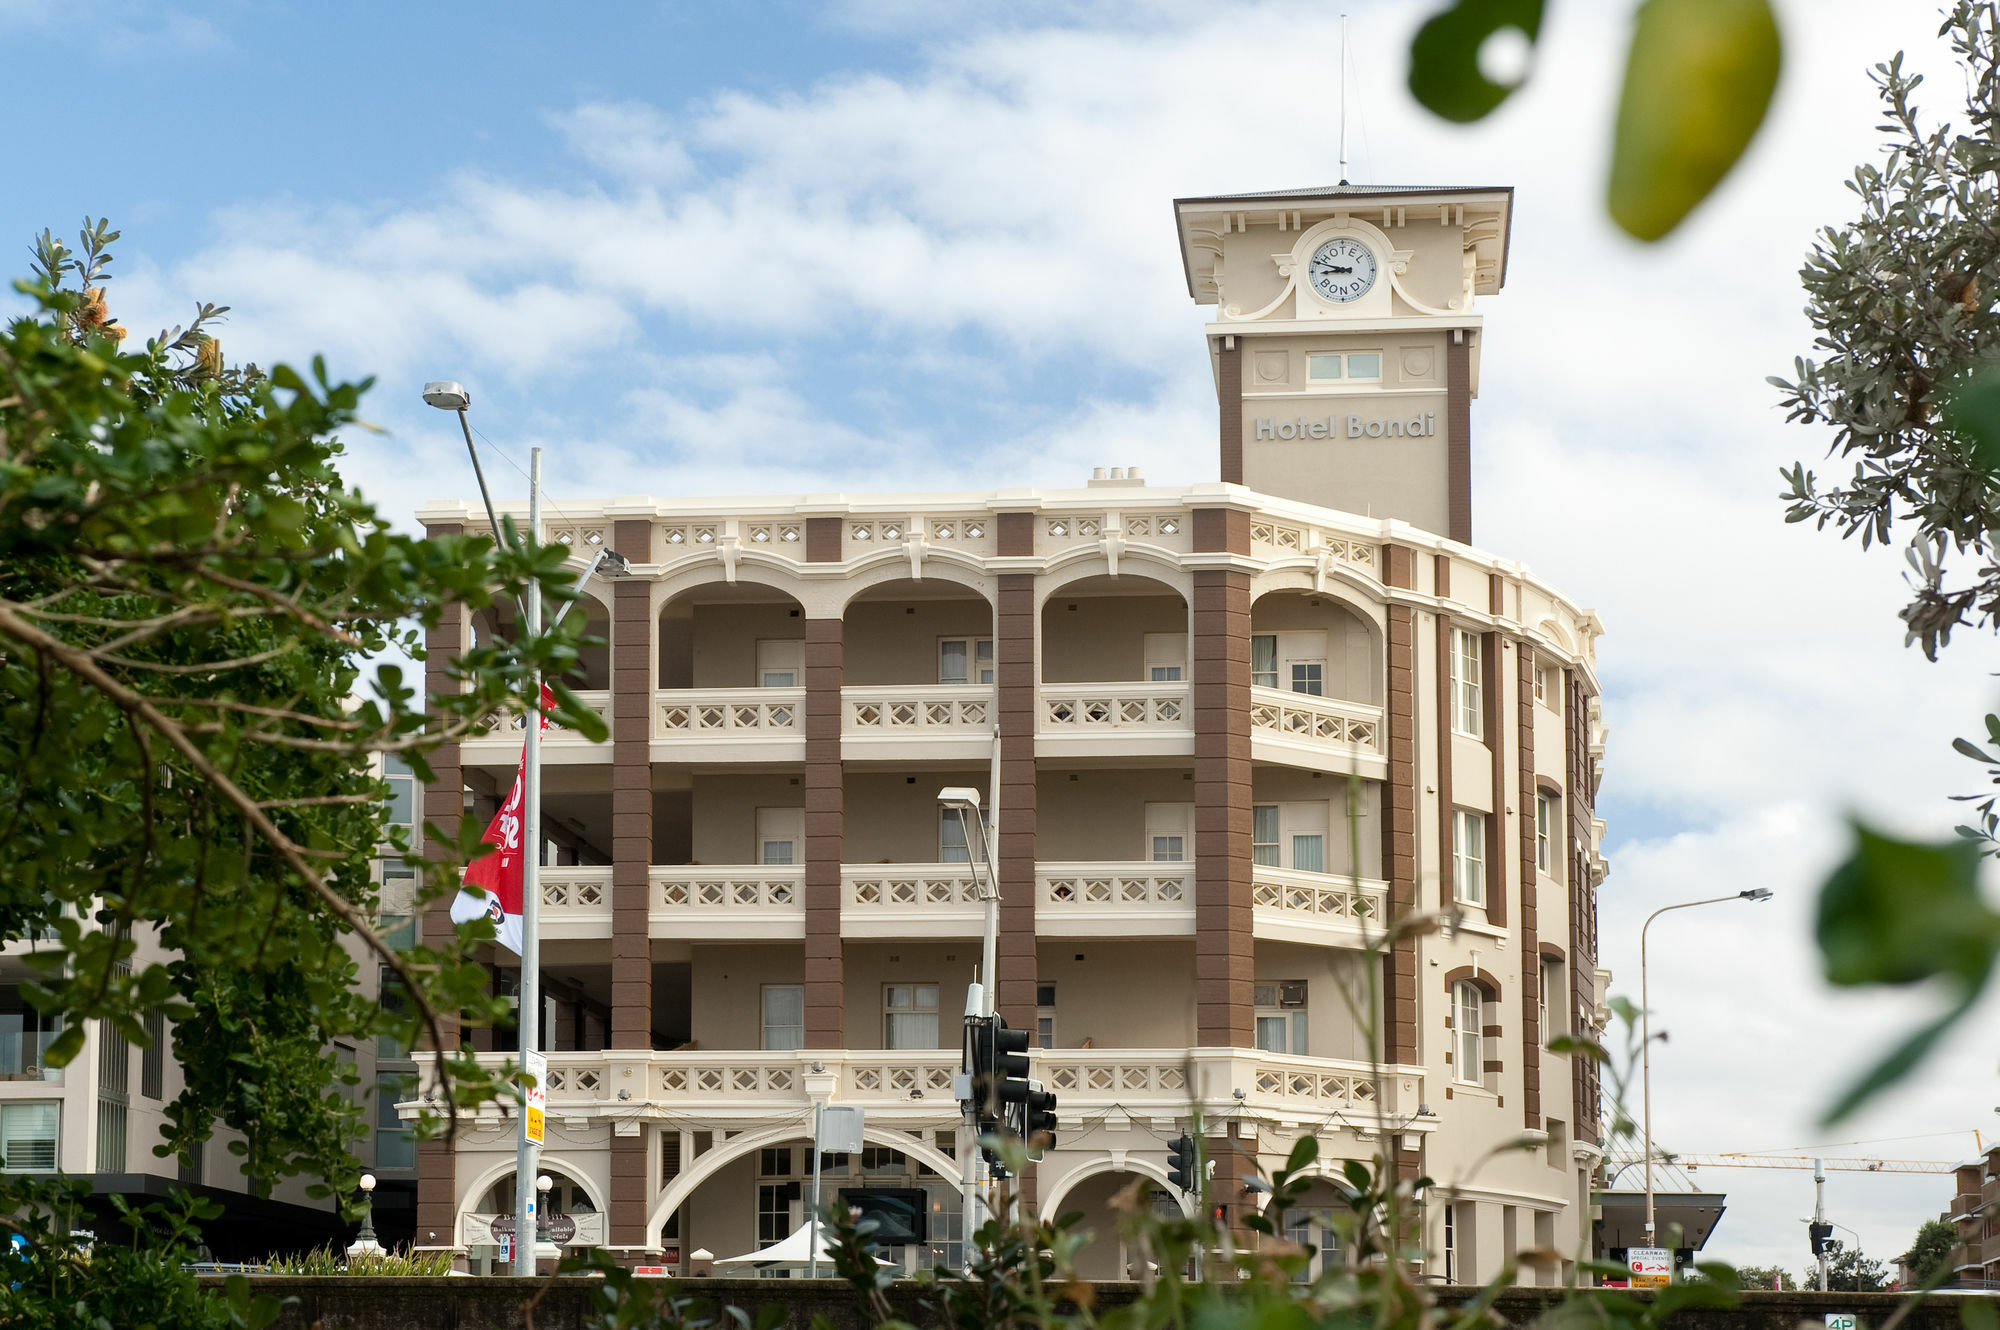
point(794, 1252)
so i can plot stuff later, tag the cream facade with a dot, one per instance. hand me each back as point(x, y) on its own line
point(1228, 735)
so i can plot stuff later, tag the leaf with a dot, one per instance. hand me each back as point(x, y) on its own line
point(1303, 1154)
point(1898, 912)
point(1972, 412)
point(1975, 753)
point(1697, 83)
point(1445, 77)
point(1978, 1314)
point(1898, 1064)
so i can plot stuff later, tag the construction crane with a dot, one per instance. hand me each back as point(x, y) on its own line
point(1693, 1162)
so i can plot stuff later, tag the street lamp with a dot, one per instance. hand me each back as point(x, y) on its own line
point(964, 801)
point(364, 1241)
point(1646, 1029)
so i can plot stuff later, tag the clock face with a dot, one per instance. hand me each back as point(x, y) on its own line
point(1342, 270)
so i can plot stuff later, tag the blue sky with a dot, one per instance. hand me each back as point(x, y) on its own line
point(787, 247)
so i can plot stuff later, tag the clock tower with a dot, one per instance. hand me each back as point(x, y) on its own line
point(1344, 343)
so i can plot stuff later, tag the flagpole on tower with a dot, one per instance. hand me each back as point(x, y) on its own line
point(529, 1011)
point(1343, 99)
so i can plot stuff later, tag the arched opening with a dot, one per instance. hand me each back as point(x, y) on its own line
point(1309, 642)
point(1106, 1203)
point(1115, 630)
point(732, 635)
point(910, 633)
point(1308, 1222)
point(574, 1219)
point(592, 671)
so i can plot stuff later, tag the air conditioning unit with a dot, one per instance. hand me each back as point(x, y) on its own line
point(1292, 995)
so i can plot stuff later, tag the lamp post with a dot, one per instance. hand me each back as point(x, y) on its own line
point(365, 1242)
point(1646, 1030)
point(964, 801)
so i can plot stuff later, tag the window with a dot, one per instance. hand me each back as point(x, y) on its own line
point(114, 1081)
point(952, 848)
point(1166, 657)
point(1551, 1003)
point(909, 1016)
point(153, 1058)
point(1264, 660)
point(28, 1137)
point(396, 1005)
point(1558, 1145)
point(1289, 836)
point(395, 1141)
point(25, 1036)
point(1045, 1015)
point(1311, 1226)
point(1468, 1023)
point(881, 1159)
point(1281, 1016)
point(775, 1201)
point(1545, 821)
point(1329, 367)
point(1167, 832)
point(1468, 856)
point(774, 1163)
point(1451, 1244)
point(1549, 687)
point(784, 1016)
point(402, 791)
point(1467, 715)
point(965, 660)
point(780, 836)
point(780, 662)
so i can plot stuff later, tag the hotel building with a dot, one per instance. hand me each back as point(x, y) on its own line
point(1231, 725)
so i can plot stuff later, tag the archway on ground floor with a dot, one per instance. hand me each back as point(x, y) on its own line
point(571, 1194)
point(763, 1198)
point(1105, 1195)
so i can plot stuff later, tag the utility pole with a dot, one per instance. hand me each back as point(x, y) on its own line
point(1819, 1217)
point(527, 1148)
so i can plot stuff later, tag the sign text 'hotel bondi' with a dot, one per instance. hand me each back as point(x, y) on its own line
point(1422, 426)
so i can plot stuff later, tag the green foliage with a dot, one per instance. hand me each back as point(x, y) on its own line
point(333, 1260)
point(1697, 83)
point(1766, 1276)
point(1444, 56)
point(1929, 1257)
point(1849, 1271)
point(188, 597)
point(1901, 299)
point(60, 1281)
point(1900, 912)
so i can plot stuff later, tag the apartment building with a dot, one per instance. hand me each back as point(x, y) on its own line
point(1231, 725)
point(1975, 1211)
point(98, 1118)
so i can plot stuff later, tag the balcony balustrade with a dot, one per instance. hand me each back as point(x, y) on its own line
point(1114, 899)
point(906, 900)
point(560, 745)
point(917, 1083)
point(1308, 730)
point(1094, 719)
point(576, 901)
point(700, 901)
point(938, 720)
point(690, 724)
point(1325, 908)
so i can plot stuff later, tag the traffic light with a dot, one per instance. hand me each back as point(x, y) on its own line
point(1181, 1172)
point(1038, 1119)
point(1007, 1078)
point(1819, 1234)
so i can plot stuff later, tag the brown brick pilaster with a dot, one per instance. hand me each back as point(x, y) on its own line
point(1458, 434)
point(631, 1188)
point(1531, 960)
point(826, 835)
point(1014, 674)
point(1225, 940)
point(632, 675)
point(444, 805)
point(1229, 405)
point(1399, 812)
point(1582, 896)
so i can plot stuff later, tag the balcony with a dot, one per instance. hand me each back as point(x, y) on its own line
point(727, 902)
point(1324, 733)
point(501, 745)
point(1114, 899)
point(915, 1085)
point(729, 724)
point(1113, 720)
point(1326, 909)
point(933, 721)
point(909, 900)
point(576, 902)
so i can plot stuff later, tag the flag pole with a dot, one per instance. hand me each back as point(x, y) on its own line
point(529, 1011)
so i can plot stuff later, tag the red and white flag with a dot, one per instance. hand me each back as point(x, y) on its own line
point(493, 881)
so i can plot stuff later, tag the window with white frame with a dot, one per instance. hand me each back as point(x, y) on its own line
point(952, 847)
point(1045, 1015)
point(1169, 838)
point(909, 1016)
point(784, 1016)
point(1468, 716)
point(1545, 822)
point(28, 1136)
point(1553, 1008)
point(781, 836)
point(1468, 856)
point(1549, 687)
point(1280, 1016)
point(1295, 661)
point(1289, 836)
point(402, 784)
point(1311, 1227)
point(1264, 660)
point(965, 660)
point(781, 662)
point(1324, 367)
point(1166, 657)
point(1468, 1015)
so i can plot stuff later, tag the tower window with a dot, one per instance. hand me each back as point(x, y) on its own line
point(1350, 367)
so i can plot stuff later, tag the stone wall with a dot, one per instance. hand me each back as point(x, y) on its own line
point(496, 1304)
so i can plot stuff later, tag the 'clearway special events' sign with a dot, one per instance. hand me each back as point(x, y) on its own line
point(1651, 1267)
point(1423, 425)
